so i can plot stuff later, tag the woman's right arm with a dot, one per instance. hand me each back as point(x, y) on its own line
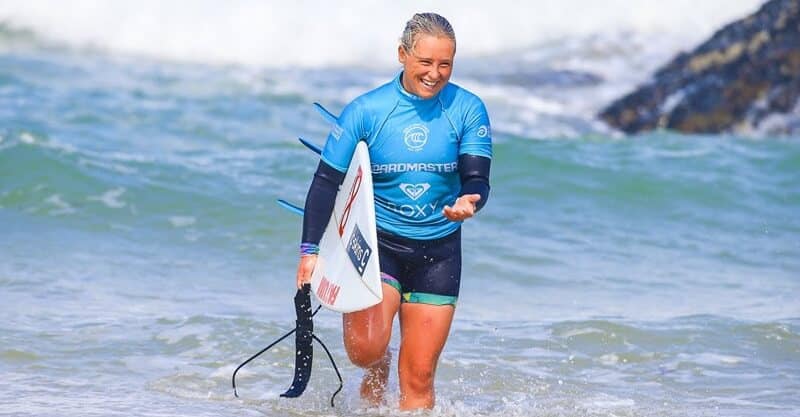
point(318, 208)
point(336, 155)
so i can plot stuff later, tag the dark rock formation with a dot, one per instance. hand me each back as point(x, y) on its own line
point(747, 70)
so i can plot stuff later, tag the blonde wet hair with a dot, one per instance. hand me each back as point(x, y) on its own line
point(428, 24)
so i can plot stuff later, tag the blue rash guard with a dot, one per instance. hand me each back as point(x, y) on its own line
point(414, 145)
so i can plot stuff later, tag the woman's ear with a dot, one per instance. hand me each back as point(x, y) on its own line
point(401, 54)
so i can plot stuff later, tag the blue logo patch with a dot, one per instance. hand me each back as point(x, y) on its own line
point(359, 251)
point(415, 137)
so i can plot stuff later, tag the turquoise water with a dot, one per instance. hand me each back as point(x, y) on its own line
point(143, 257)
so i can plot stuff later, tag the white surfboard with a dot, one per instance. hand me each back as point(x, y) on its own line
point(347, 275)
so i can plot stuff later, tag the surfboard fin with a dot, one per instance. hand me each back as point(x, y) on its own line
point(291, 207)
point(326, 114)
point(311, 146)
point(330, 117)
point(304, 337)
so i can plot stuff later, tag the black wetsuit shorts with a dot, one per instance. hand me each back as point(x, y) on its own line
point(423, 271)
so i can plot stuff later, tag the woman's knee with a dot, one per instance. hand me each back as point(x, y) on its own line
point(417, 375)
point(366, 347)
point(367, 332)
point(365, 353)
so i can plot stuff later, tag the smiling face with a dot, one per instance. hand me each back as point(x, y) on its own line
point(428, 65)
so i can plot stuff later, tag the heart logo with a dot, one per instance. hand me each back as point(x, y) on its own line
point(415, 191)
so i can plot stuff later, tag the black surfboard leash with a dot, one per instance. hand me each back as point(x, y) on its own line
point(304, 337)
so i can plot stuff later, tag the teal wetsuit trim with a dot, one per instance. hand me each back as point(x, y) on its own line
point(392, 281)
point(433, 299)
point(418, 297)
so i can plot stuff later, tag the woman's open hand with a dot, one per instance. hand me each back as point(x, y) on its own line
point(463, 208)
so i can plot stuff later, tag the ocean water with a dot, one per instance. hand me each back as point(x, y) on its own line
point(143, 257)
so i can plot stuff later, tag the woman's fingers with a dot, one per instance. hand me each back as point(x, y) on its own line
point(463, 208)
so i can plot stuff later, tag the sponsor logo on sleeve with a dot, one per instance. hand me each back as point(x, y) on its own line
point(484, 131)
point(337, 131)
point(415, 137)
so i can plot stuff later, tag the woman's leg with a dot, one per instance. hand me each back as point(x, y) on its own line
point(366, 338)
point(424, 330)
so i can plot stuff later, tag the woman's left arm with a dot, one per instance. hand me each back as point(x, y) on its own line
point(474, 161)
point(474, 173)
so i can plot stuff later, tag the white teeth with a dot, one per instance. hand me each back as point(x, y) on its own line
point(428, 83)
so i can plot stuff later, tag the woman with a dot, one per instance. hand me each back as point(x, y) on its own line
point(430, 146)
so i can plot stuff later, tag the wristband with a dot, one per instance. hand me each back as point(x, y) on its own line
point(309, 249)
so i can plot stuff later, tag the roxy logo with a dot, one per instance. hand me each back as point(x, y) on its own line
point(415, 191)
point(415, 137)
point(415, 211)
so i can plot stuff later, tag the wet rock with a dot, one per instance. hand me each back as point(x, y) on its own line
point(746, 72)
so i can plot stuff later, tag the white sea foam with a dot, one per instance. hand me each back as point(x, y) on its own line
point(110, 198)
point(182, 221)
point(27, 138)
point(60, 206)
point(277, 33)
point(608, 402)
point(780, 123)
